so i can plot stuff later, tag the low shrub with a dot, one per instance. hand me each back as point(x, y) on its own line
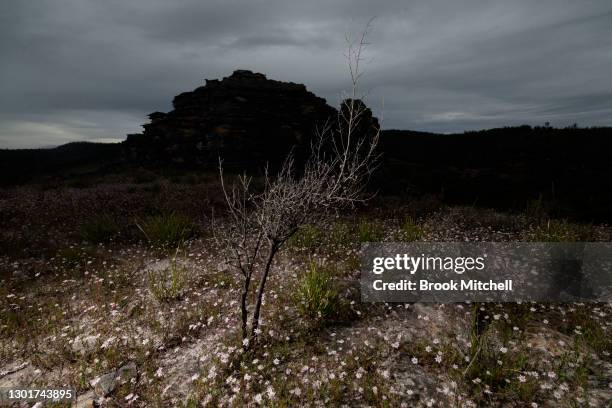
point(100, 228)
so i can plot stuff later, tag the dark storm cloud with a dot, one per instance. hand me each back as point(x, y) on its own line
point(85, 69)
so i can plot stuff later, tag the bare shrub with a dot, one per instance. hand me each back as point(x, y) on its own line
point(343, 156)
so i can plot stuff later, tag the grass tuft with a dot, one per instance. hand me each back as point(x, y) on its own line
point(167, 230)
point(317, 296)
point(411, 231)
point(562, 231)
point(168, 284)
point(369, 232)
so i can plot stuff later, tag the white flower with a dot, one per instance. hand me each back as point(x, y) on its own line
point(504, 350)
point(522, 378)
point(415, 360)
point(108, 342)
point(270, 392)
point(438, 358)
point(212, 373)
point(258, 399)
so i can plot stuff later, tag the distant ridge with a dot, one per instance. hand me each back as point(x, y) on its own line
point(23, 165)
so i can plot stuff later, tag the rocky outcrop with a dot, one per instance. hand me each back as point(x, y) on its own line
point(244, 118)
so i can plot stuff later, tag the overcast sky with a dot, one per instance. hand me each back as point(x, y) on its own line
point(91, 70)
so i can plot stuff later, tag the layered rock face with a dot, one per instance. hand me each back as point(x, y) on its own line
point(245, 118)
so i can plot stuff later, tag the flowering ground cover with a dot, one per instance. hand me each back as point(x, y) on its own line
point(117, 289)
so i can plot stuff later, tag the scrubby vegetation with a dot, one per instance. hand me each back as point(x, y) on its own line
point(101, 228)
point(75, 309)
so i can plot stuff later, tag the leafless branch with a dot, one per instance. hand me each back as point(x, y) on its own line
point(342, 157)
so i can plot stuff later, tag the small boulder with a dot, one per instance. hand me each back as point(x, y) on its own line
point(86, 400)
point(105, 384)
point(127, 372)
